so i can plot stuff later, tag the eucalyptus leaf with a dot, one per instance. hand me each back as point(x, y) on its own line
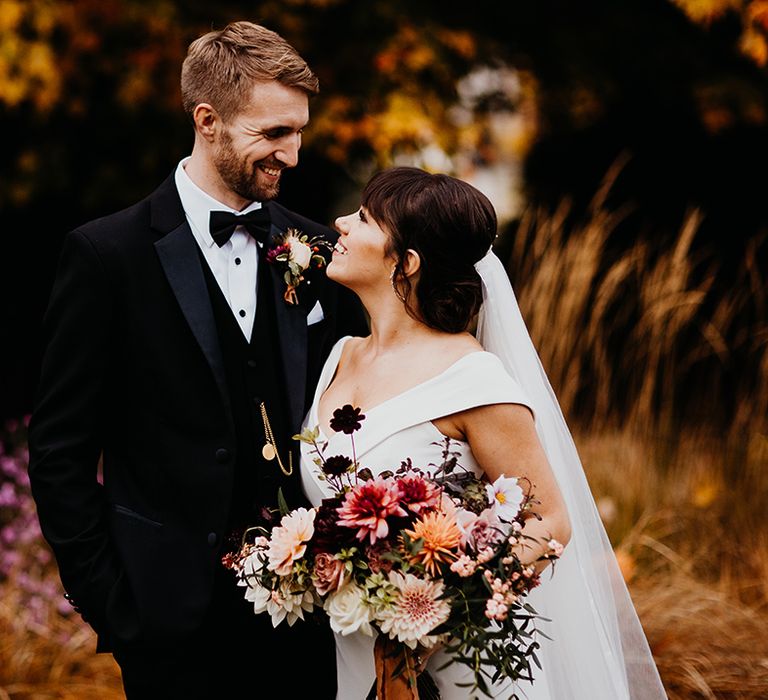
point(282, 504)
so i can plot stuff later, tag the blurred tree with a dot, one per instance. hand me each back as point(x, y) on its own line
point(753, 41)
point(89, 103)
point(97, 73)
point(88, 95)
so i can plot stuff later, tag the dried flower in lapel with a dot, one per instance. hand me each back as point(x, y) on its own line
point(295, 253)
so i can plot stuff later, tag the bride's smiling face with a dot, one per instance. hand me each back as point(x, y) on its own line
point(360, 257)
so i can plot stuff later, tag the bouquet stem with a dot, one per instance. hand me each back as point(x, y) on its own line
point(390, 657)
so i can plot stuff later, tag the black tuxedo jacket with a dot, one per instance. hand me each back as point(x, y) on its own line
point(133, 373)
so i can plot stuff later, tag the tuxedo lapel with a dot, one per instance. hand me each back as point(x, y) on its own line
point(180, 260)
point(292, 332)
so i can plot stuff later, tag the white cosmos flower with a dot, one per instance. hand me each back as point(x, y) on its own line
point(505, 497)
point(348, 612)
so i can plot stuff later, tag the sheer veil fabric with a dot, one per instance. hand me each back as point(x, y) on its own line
point(598, 649)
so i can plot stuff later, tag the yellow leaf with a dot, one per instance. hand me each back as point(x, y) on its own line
point(753, 44)
point(706, 11)
point(11, 13)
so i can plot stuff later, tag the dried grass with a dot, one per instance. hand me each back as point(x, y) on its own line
point(626, 340)
point(705, 644)
point(693, 547)
point(53, 659)
point(653, 335)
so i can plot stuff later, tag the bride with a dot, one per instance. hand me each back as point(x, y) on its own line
point(417, 254)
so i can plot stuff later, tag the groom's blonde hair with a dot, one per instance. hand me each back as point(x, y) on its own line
point(221, 67)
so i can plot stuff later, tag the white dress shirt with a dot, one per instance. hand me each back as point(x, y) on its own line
point(235, 264)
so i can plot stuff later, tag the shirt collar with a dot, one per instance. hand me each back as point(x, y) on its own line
point(198, 204)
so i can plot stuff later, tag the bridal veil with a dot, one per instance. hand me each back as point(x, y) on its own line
point(598, 649)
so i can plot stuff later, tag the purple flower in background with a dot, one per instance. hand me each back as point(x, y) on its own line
point(7, 495)
point(8, 535)
point(10, 467)
point(9, 560)
point(26, 563)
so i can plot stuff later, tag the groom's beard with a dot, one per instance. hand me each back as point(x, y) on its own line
point(242, 178)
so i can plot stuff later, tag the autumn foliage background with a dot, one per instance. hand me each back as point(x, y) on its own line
point(624, 145)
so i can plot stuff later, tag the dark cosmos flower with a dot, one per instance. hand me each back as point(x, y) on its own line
point(347, 419)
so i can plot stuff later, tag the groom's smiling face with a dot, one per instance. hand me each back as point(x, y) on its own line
point(255, 146)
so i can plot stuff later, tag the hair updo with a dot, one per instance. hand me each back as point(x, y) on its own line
point(451, 225)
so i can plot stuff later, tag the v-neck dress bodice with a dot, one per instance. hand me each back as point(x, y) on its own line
point(394, 430)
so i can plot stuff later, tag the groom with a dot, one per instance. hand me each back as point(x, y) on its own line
point(174, 357)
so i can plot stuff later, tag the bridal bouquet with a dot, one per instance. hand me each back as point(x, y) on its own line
point(424, 556)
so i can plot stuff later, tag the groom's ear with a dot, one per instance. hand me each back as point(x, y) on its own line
point(206, 120)
point(411, 263)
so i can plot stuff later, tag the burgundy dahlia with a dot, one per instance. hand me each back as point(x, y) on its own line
point(329, 537)
point(417, 494)
point(277, 250)
point(336, 466)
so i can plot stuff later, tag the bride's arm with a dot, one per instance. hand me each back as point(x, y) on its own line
point(504, 441)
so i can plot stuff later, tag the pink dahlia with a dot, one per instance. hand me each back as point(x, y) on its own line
point(417, 494)
point(367, 507)
point(480, 531)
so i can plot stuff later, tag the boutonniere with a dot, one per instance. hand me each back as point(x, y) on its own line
point(294, 253)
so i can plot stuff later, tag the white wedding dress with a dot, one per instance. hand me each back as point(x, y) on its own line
point(598, 649)
point(396, 429)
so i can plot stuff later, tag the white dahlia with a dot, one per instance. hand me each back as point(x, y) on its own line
point(416, 612)
point(282, 604)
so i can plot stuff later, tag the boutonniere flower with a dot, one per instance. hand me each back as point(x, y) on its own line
point(295, 253)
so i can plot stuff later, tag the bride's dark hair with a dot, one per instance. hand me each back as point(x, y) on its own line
point(450, 224)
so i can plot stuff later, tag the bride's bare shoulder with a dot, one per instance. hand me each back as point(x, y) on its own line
point(349, 349)
point(459, 344)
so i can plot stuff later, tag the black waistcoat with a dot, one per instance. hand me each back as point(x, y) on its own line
point(254, 375)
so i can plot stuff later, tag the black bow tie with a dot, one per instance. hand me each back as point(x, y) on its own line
point(223, 224)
